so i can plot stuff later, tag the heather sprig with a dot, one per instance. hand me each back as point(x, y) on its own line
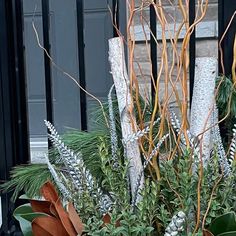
point(59, 181)
point(225, 167)
point(139, 134)
point(145, 164)
point(80, 175)
point(113, 133)
point(232, 147)
point(176, 226)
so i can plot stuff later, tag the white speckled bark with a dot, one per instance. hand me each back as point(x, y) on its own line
point(203, 101)
point(121, 81)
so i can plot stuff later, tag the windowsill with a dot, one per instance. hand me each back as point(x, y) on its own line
point(205, 29)
point(38, 149)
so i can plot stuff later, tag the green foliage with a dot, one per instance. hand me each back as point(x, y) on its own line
point(131, 221)
point(115, 179)
point(25, 215)
point(179, 191)
point(27, 178)
point(88, 144)
point(176, 191)
point(224, 225)
point(129, 225)
point(226, 103)
point(226, 96)
point(23, 178)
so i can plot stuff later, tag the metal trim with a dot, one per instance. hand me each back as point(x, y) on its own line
point(81, 55)
point(47, 62)
point(192, 49)
point(116, 17)
point(14, 147)
point(153, 48)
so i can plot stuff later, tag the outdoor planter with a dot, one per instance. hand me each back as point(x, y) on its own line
point(152, 166)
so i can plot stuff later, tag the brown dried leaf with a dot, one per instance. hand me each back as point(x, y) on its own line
point(106, 219)
point(48, 226)
point(64, 217)
point(54, 211)
point(49, 192)
point(38, 230)
point(41, 206)
point(75, 219)
point(207, 233)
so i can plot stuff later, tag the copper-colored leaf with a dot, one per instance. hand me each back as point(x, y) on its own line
point(38, 230)
point(64, 217)
point(75, 219)
point(118, 224)
point(49, 192)
point(44, 207)
point(54, 211)
point(41, 206)
point(48, 226)
point(106, 219)
point(207, 233)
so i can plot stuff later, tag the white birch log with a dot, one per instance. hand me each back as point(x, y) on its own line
point(203, 101)
point(121, 81)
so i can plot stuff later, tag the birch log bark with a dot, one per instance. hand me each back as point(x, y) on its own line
point(128, 121)
point(203, 102)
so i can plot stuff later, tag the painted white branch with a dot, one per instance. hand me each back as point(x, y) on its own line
point(121, 81)
point(203, 101)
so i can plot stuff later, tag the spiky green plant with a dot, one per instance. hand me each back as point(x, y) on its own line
point(27, 178)
point(226, 102)
point(93, 169)
point(88, 143)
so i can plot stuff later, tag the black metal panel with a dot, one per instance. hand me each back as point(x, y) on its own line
point(19, 78)
point(82, 78)
point(14, 145)
point(6, 152)
point(116, 18)
point(47, 63)
point(14, 62)
point(192, 49)
point(153, 47)
point(122, 9)
point(226, 9)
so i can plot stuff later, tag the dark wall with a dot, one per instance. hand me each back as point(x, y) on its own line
point(226, 10)
point(13, 122)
